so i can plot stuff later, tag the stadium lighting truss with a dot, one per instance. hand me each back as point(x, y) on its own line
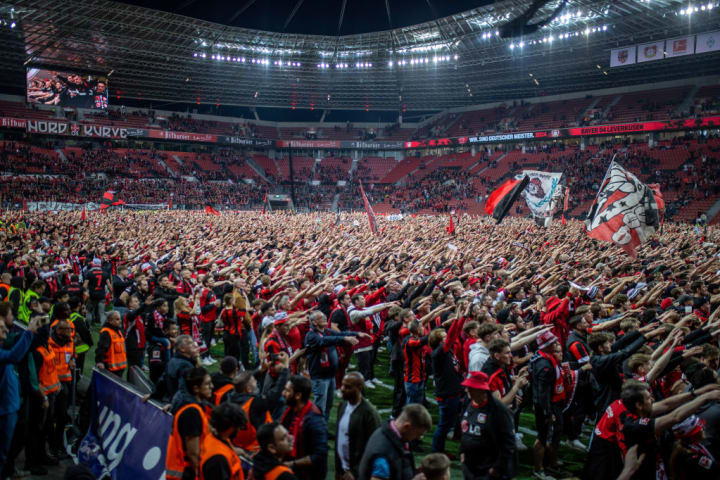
point(449, 62)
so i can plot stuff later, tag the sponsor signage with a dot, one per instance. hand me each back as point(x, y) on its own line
point(183, 136)
point(10, 122)
point(253, 142)
point(55, 127)
point(127, 437)
point(307, 144)
point(707, 122)
point(372, 145)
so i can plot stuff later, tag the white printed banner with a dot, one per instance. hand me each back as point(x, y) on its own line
point(540, 191)
point(619, 57)
point(647, 52)
point(708, 42)
point(677, 47)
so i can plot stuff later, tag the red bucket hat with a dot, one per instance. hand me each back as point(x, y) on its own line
point(477, 380)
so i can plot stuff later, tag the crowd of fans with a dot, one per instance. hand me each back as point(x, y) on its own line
point(506, 321)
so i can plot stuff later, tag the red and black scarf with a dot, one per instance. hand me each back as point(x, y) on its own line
point(559, 388)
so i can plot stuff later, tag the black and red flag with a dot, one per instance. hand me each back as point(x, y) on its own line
point(369, 211)
point(502, 199)
point(565, 204)
point(211, 210)
point(109, 200)
point(625, 211)
point(264, 203)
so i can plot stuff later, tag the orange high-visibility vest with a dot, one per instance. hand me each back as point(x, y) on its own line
point(47, 374)
point(247, 437)
point(6, 295)
point(217, 396)
point(115, 358)
point(212, 446)
point(175, 459)
point(272, 474)
point(63, 355)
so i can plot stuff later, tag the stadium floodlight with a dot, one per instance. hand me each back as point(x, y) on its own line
point(390, 63)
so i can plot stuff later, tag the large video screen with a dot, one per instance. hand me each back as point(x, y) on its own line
point(66, 89)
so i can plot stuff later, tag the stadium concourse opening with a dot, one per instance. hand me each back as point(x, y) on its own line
point(388, 240)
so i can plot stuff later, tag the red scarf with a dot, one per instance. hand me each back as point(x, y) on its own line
point(559, 389)
point(296, 425)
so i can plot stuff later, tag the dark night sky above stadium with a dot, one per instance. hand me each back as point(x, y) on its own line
point(313, 16)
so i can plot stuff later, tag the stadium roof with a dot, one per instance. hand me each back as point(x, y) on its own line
point(315, 17)
point(451, 61)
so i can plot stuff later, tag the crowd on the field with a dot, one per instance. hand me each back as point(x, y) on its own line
point(477, 330)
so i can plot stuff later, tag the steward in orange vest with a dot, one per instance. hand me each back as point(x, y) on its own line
point(275, 446)
point(48, 381)
point(223, 381)
point(256, 409)
point(218, 460)
point(62, 346)
point(190, 426)
point(110, 353)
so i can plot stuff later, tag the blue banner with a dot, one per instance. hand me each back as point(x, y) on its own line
point(127, 438)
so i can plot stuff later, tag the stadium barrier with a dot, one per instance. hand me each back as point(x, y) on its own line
point(127, 437)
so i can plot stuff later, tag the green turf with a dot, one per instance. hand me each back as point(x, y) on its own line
point(381, 398)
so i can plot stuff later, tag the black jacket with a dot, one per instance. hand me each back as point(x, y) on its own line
point(576, 355)
point(172, 378)
point(386, 444)
point(488, 439)
point(606, 368)
point(446, 373)
point(364, 420)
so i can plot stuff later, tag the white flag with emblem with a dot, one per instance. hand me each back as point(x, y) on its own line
point(541, 192)
point(708, 42)
point(647, 52)
point(677, 47)
point(620, 57)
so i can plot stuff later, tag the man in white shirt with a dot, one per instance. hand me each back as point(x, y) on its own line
point(357, 420)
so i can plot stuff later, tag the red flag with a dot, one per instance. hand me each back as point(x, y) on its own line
point(499, 202)
point(369, 211)
point(450, 228)
point(211, 210)
point(264, 203)
point(170, 204)
point(565, 204)
point(24, 205)
point(83, 214)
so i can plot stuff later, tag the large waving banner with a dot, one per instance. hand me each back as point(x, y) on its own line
point(127, 438)
point(540, 191)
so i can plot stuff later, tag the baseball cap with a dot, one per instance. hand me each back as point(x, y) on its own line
point(545, 339)
point(280, 317)
point(666, 302)
point(477, 380)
